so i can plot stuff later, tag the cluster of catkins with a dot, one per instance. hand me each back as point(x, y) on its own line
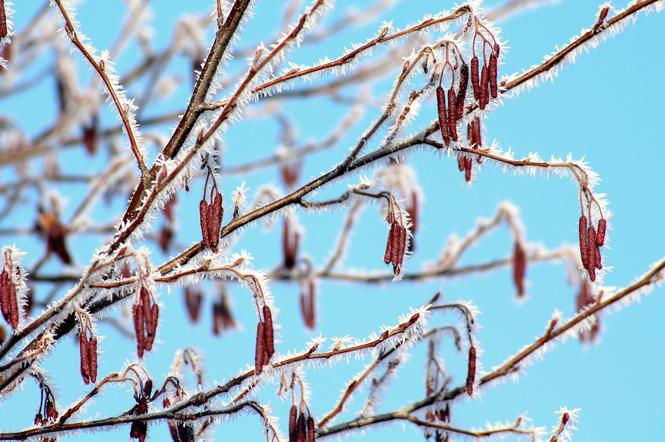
point(8, 290)
point(139, 429)
point(265, 340)
point(47, 414)
point(302, 427)
point(451, 103)
point(145, 313)
point(88, 351)
point(308, 302)
point(591, 240)
point(211, 214)
point(396, 243)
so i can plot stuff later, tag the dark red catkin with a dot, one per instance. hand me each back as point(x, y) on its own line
point(468, 165)
point(4, 294)
point(269, 333)
point(139, 328)
point(293, 418)
point(259, 351)
point(84, 349)
point(387, 257)
point(452, 114)
point(13, 305)
point(443, 117)
point(475, 80)
point(151, 326)
point(217, 212)
point(203, 219)
point(92, 356)
point(519, 268)
point(301, 434)
point(193, 301)
point(591, 251)
point(3, 20)
point(461, 164)
point(412, 210)
point(600, 234)
point(484, 93)
point(493, 68)
point(311, 429)
point(583, 241)
point(471, 371)
point(461, 92)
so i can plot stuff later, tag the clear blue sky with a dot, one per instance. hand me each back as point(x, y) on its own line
point(607, 108)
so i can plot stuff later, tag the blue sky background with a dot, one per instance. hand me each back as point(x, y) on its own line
point(607, 107)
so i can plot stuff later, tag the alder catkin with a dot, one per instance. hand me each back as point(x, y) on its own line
point(203, 220)
point(217, 212)
point(475, 80)
point(461, 92)
point(452, 115)
point(591, 251)
point(387, 257)
point(494, 89)
point(600, 234)
point(259, 353)
point(471, 371)
point(311, 429)
point(519, 268)
point(293, 417)
point(484, 93)
point(139, 328)
point(92, 357)
point(269, 332)
point(443, 118)
point(583, 241)
point(13, 305)
point(84, 355)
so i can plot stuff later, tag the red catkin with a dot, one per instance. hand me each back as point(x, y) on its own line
point(387, 257)
point(452, 114)
point(468, 164)
point(13, 305)
point(471, 371)
point(461, 164)
point(591, 252)
point(151, 326)
point(519, 268)
point(259, 351)
point(217, 212)
point(475, 80)
point(293, 418)
point(4, 294)
point(484, 93)
point(443, 117)
point(269, 333)
point(203, 219)
point(84, 350)
point(92, 355)
point(193, 301)
point(301, 428)
point(600, 234)
point(139, 328)
point(311, 429)
point(461, 92)
point(493, 75)
point(3, 20)
point(583, 241)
